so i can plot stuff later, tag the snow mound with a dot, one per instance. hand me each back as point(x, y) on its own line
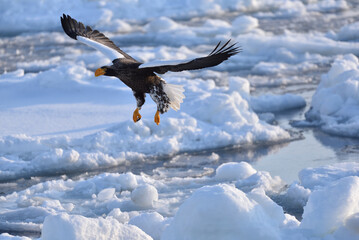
point(243, 24)
point(222, 212)
point(75, 227)
point(322, 176)
point(335, 104)
point(151, 223)
point(349, 32)
point(144, 196)
point(6, 236)
point(276, 103)
point(234, 171)
point(328, 208)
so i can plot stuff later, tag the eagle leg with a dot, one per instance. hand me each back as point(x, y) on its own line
point(136, 115)
point(157, 117)
point(140, 99)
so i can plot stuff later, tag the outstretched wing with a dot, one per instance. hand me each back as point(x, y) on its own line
point(217, 56)
point(92, 38)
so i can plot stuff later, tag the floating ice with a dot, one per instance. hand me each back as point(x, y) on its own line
point(335, 104)
point(6, 236)
point(234, 171)
point(151, 223)
point(210, 117)
point(322, 176)
point(144, 196)
point(327, 209)
point(222, 212)
point(64, 226)
point(215, 211)
point(276, 103)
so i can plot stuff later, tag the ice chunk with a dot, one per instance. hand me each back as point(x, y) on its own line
point(128, 181)
point(64, 226)
point(151, 223)
point(234, 171)
point(144, 196)
point(122, 217)
point(106, 194)
point(243, 24)
point(222, 212)
point(6, 236)
point(276, 103)
point(328, 208)
point(262, 180)
point(335, 104)
point(322, 176)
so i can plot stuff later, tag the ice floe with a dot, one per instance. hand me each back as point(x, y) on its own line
point(335, 104)
point(99, 206)
point(211, 117)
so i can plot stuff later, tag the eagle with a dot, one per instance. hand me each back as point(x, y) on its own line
point(141, 77)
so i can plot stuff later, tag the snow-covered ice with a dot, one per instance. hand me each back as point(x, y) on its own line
point(73, 165)
point(219, 209)
point(64, 226)
point(335, 104)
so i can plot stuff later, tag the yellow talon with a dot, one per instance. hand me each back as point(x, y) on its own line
point(157, 117)
point(136, 115)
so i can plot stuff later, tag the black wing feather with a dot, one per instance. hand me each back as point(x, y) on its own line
point(73, 29)
point(213, 59)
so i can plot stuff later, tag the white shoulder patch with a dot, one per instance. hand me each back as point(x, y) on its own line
point(109, 52)
point(164, 63)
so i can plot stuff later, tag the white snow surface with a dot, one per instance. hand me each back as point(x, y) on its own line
point(210, 117)
point(74, 227)
point(70, 209)
point(109, 12)
point(335, 104)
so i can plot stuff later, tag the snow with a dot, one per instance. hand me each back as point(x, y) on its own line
point(275, 103)
point(6, 236)
point(335, 104)
point(323, 217)
point(144, 196)
point(219, 209)
point(324, 175)
point(219, 119)
point(106, 194)
point(234, 171)
point(151, 223)
point(66, 226)
point(222, 212)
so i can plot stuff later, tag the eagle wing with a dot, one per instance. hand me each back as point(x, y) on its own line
point(218, 55)
point(92, 38)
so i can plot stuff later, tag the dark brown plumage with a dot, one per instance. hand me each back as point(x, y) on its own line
point(141, 78)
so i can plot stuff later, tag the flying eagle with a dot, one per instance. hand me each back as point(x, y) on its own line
point(141, 77)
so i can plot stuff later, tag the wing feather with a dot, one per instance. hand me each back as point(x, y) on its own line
point(92, 38)
point(214, 58)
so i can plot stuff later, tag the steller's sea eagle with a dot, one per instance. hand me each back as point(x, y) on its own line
point(141, 77)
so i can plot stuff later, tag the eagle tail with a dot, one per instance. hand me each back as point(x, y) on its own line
point(175, 94)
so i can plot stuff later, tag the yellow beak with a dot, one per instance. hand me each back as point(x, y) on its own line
point(99, 72)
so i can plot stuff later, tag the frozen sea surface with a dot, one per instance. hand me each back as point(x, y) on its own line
point(265, 145)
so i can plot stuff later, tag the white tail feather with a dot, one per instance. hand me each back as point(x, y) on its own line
point(175, 94)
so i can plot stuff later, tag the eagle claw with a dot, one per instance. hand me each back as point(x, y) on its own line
point(157, 117)
point(136, 115)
